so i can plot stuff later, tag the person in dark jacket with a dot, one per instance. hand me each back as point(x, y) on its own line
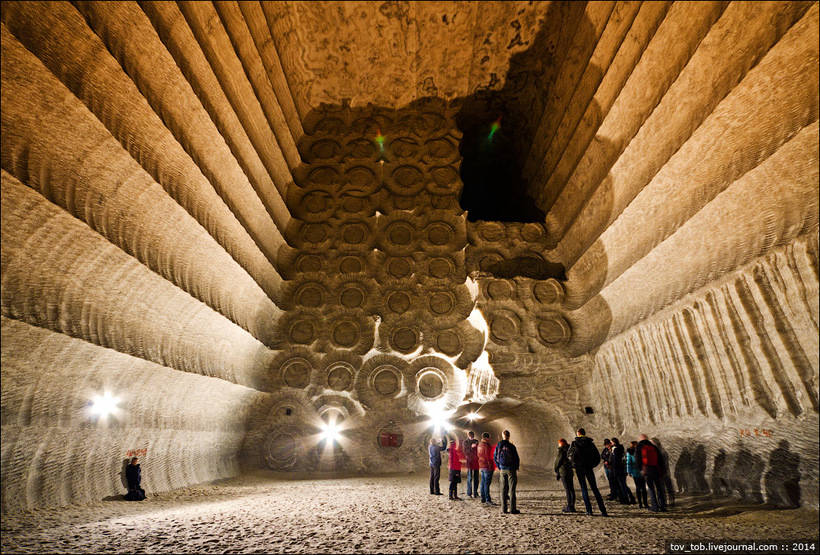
point(563, 472)
point(648, 457)
point(133, 475)
point(634, 470)
point(470, 449)
point(584, 457)
point(507, 461)
point(435, 464)
point(617, 464)
point(606, 453)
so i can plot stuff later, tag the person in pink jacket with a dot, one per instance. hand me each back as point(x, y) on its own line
point(456, 459)
point(486, 465)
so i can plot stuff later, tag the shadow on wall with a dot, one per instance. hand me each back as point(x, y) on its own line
point(740, 473)
point(690, 471)
point(119, 497)
point(666, 478)
point(527, 266)
point(125, 462)
point(783, 477)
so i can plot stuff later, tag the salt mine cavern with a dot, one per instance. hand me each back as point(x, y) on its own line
point(279, 251)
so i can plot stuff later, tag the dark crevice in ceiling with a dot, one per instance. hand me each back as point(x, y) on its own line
point(494, 188)
point(499, 126)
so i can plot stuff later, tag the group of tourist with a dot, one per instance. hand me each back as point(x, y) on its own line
point(481, 458)
point(642, 461)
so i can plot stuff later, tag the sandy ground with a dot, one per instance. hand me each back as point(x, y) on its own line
point(262, 513)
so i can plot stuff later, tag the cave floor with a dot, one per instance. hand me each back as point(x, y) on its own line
point(262, 513)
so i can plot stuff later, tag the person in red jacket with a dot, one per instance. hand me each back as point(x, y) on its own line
point(648, 458)
point(456, 458)
point(486, 465)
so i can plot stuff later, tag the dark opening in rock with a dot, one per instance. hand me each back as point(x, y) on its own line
point(490, 169)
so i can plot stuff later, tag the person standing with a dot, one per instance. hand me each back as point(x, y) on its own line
point(470, 448)
point(507, 461)
point(634, 470)
point(435, 464)
point(456, 457)
point(606, 453)
point(484, 454)
point(584, 457)
point(617, 465)
point(649, 458)
point(563, 472)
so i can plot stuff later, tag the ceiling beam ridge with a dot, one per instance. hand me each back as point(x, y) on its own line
point(60, 274)
point(671, 47)
point(783, 91)
point(203, 20)
point(745, 222)
point(180, 42)
point(96, 78)
point(245, 49)
point(130, 37)
point(55, 145)
point(282, 30)
point(574, 67)
point(567, 18)
point(755, 55)
point(261, 34)
point(570, 143)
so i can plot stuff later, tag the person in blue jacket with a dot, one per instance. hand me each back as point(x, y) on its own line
point(507, 461)
point(435, 450)
point(634, 470)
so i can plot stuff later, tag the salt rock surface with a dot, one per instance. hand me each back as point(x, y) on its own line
point(246, 223)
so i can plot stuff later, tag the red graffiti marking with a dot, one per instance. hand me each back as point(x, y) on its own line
point(757, 432)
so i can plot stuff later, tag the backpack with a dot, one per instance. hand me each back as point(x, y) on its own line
point(585, 455)
point(649, 455)
point(593, 456)
point(505, 456)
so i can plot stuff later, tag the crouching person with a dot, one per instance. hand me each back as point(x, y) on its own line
point(133, 475)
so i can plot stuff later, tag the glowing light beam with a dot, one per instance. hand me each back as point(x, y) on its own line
point(496, 125)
